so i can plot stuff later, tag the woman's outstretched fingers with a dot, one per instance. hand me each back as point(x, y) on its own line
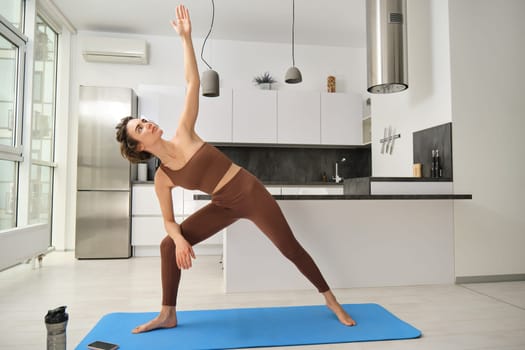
point(182, 13)
point(181, 23)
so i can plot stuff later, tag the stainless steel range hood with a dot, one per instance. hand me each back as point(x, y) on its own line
point(386, 46)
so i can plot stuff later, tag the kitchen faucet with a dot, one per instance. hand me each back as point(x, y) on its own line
point(338, 178)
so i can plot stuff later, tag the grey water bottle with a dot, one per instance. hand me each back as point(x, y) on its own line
point(56, 322)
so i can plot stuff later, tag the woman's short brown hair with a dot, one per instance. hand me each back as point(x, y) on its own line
point(128, 146)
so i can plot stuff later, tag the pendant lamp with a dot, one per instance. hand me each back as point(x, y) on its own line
point(210, 78)
point(293, 74)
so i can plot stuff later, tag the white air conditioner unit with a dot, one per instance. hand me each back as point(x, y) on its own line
point(115, 50)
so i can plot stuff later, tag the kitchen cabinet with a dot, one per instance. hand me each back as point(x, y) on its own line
point(260, 116)
point(147, 225)
point(145, 202)
point(298, 117)
point(254, 116)
point(341, 119)
point(214, 123)
point(163, 105)
point(147, 231)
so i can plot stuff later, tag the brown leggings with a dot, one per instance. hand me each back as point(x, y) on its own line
point(243, 197)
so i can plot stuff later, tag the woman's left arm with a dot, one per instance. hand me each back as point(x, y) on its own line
point(182, 26)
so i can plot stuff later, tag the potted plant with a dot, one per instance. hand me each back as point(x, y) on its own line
point(264, 81)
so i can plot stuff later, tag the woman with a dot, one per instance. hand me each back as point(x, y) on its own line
point(189, 162)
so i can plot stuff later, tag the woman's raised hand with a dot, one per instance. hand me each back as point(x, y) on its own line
point(182, 23)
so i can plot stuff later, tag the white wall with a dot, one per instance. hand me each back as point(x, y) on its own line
point(426, 102)
point(487, 54)
point(236, 62)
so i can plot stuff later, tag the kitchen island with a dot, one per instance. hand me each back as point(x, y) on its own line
point(356, 240)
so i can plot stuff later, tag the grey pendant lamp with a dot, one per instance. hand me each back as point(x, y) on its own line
point(210, 78)
point(293, 74)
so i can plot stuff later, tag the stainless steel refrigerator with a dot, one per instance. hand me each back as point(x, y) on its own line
point(103, 222)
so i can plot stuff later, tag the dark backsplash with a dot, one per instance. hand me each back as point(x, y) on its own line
point(300, 165)
point(440, 138)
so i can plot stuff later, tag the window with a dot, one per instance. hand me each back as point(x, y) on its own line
point(43, 122)
point(13, 12)
point(9, 53)
point(8, 190)
point(12, 64)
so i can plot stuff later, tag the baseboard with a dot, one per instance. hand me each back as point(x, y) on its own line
point(490, 278)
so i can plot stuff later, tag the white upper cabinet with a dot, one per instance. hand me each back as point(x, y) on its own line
point(260, 116)
point(254, 116)
point(163, 105)
point(214, 123)
point(341, 119)
point(298, 117)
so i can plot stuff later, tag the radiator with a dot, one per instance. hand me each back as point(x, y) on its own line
point(23, 243)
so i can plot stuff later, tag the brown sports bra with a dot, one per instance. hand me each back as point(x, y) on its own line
point(203, 171)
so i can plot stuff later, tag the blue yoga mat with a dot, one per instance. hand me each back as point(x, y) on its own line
point(254, 327)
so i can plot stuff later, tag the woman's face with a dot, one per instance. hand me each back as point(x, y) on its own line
point(144, 131)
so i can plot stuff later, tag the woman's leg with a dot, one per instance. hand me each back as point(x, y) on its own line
point(201, 225)
point(267, 215)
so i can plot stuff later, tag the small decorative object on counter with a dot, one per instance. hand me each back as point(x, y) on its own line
point(433, 166)
point(324, 177)
point(436, 171)
point(56, 322)
point(330, 83)
point(264, 81)
point(417, 169)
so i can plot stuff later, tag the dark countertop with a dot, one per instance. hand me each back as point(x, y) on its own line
point(321, 183)
point(360, 197)
point(347, 196)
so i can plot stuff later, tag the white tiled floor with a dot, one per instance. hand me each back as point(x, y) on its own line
point(473, 316)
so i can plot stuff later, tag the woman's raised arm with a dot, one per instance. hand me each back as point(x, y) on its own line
point(182, 26)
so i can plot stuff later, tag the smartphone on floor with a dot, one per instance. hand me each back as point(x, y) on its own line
point(100, 345)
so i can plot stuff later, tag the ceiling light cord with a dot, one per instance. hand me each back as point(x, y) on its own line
point(211, 27)
point(293, 32)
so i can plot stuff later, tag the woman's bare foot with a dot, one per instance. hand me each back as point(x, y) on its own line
point(167, 318)
point(338, 310)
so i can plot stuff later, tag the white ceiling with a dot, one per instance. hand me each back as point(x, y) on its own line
point(327, 22)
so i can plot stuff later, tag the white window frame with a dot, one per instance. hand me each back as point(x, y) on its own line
point(11, 33)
